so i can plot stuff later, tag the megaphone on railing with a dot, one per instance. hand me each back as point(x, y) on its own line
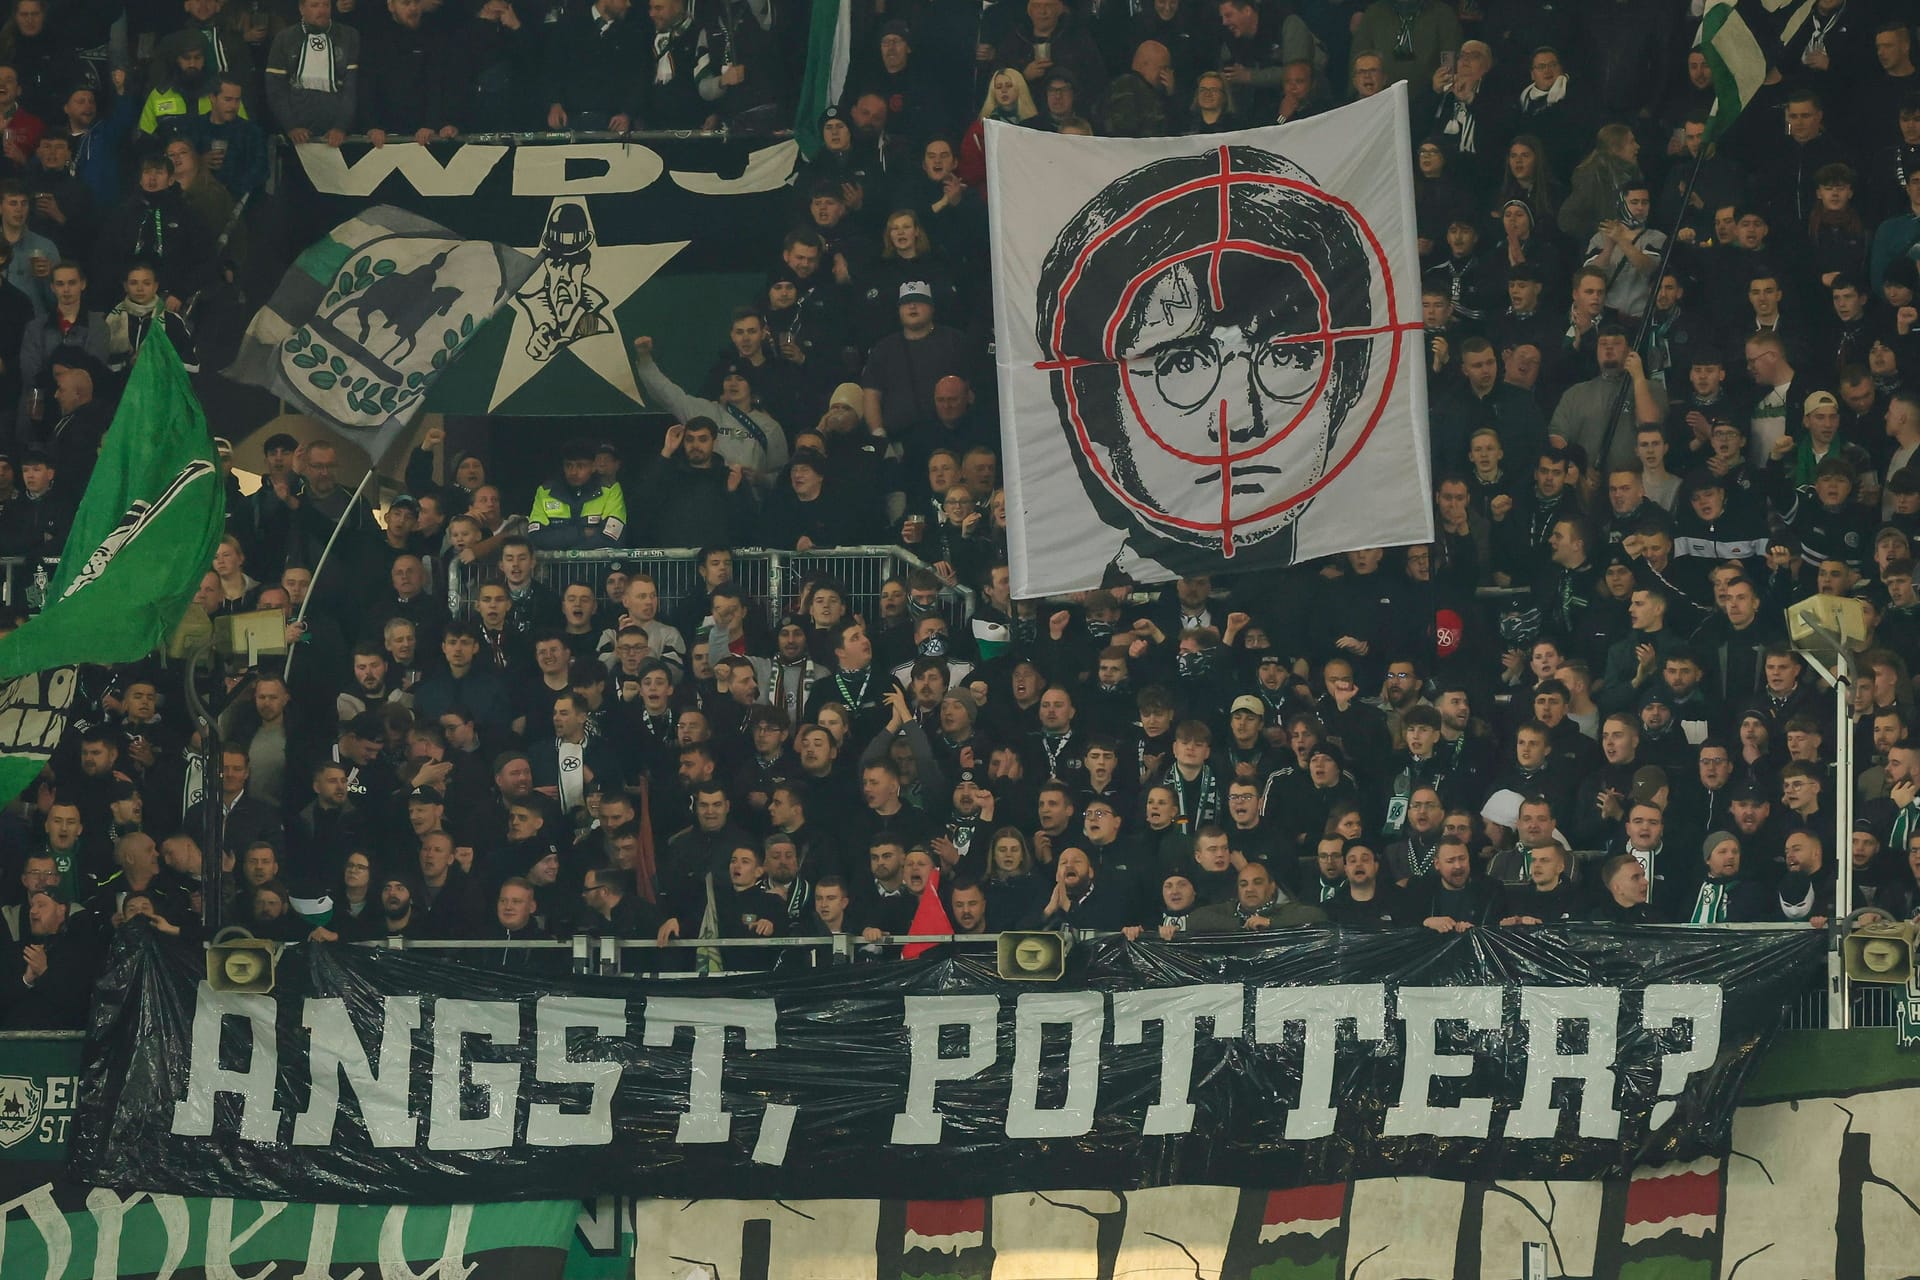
point(238, 961)
point(1880, 952)
point(1032, 956)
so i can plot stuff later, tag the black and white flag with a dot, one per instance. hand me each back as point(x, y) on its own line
point(1210, 348)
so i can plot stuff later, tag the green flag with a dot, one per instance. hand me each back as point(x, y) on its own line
point(825, 77)
point(143, 538)
point(1742, 40)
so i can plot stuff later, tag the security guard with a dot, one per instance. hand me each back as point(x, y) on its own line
point(578, 511)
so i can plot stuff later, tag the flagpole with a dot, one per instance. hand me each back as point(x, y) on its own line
point(1653, 294)
point(319, 564)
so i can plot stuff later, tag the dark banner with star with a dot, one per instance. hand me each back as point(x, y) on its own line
point(632, 238)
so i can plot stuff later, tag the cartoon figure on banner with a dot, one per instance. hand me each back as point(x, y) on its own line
point(559, 304)
point(1221, 337)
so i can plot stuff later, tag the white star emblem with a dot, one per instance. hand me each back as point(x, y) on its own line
point(571, 307)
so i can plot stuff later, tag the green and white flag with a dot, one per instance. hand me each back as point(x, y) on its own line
point(143, 538)
point(1742, 40)
point(829, 53)
point(367, 318)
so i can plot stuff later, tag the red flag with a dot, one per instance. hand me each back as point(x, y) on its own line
point(929, 917)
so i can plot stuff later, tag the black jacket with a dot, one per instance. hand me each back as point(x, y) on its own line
point(691, 507)
point(410, 80)
point(595, 71)
point(1479, 902)
point(37, 526)
point(156, 227)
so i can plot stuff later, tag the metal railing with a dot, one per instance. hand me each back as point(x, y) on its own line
point(1867, 1006)
point(772, 579)
point(552, 137)
point(590, 954)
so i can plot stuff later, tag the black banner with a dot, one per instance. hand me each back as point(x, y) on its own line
point(717, 193)
point(664, 239)
point(1307, 1057)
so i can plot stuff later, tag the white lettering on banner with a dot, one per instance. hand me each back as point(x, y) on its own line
point(474, 1098)
point(1543, 1009)
point(465, 168)
point(1178, 1011)
point(1420, 1010)
point(320, 1238)
point(109, 1218)
point(56, 1237)
point(1085, 1013)
point(450, 1265)
point(221, 1242)
point(165, 1235)
point(925, 1018)
point(1663, 1006)
point(336, 1052)
point(767, 169)
point(584, 169)
point(613, 168)
point(598, 1226)
point(1319, 1011)
point(776, 1126)
point(207, 1079)
point(553, 1125)
point(706, 1119)
point(497, 1083)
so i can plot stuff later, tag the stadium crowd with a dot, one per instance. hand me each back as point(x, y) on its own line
point(1646, 450)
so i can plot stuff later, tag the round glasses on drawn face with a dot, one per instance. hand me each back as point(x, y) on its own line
point(1209, 324)
point(1189, 374)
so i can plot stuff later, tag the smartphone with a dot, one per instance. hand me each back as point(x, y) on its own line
point(1446, 62)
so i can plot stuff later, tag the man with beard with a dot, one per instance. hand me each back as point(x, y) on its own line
point(1448, 899)
point(1365, 901)
point(1055, 750)
point(1412, 856)
point(1586, 407)
point(961, 845)
point(1078, 902)
point(969, 906)
point(396, 908)
point(1258, 904)
point(780, 862)
point(1725, 896)
point(794, 671)
point(45, 981)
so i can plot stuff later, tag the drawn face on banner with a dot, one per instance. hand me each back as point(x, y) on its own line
point(1210, 326)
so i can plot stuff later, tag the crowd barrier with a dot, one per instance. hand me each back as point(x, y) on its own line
point(773, 580)
point(1864, 1005)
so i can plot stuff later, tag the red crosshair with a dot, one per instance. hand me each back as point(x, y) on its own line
point(1323, 335)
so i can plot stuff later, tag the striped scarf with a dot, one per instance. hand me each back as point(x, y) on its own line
point(1711, 906)
point(315, 68)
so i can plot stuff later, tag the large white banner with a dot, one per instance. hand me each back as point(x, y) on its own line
point(1210, 348)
